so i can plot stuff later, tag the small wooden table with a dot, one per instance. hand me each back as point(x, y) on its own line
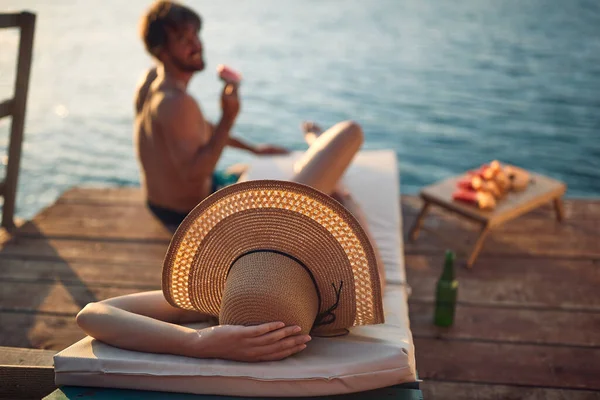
point(540, 191)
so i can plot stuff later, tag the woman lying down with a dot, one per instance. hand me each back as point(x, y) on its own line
point(272, 263)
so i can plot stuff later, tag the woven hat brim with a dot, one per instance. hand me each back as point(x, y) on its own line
point(275, 215)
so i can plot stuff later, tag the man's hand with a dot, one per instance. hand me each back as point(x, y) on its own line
point(230, 102)
point(266, 342)
point(268, 150)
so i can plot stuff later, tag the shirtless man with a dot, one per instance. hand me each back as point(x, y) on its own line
point(176, 147)
point(146, 322)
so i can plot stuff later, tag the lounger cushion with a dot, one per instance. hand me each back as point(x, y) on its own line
point(369, 357)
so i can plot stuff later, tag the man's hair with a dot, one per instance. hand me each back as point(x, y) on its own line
point(161, 17)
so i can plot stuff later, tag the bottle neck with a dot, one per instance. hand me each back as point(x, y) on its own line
point(448, 274)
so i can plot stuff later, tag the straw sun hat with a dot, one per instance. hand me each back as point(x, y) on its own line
point(264, 251)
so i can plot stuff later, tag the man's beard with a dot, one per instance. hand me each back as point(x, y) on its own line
point(188, 66)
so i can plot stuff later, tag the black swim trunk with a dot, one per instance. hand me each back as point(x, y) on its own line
point(172, 219)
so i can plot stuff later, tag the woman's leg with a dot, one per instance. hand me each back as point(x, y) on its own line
point(329, 156)
point(325, 162)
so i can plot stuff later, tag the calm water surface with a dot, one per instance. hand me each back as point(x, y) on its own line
point(446, 84)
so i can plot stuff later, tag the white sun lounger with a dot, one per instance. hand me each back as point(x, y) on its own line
point(369, 357)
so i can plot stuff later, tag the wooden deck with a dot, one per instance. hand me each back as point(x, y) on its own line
point(527, 325)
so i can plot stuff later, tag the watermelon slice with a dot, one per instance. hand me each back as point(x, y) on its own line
point(473, 182)
point(482, 200)
point(229, 75)
point(467, 196)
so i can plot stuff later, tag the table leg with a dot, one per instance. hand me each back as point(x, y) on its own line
point(478, 244)
point(558, 207)
point(414, 232)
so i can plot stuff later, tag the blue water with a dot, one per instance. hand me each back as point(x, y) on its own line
point(446, 84)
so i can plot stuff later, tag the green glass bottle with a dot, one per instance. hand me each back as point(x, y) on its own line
point(445, 296)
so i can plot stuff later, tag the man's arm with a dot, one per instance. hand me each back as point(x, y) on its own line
point(143, 88)
point(261, 149)
point(239, 144)
point(182, 119)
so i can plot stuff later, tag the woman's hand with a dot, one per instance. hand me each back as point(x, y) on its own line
point(266, 342)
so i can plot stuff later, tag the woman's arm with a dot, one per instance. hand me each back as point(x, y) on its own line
point(154, 305)
point(132, 331)
point(147, 322)
point(141, 321)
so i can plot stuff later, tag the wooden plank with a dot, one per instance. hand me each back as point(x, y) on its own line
point(6, 108)
point(523, 236)
point(142, 276)
point(114, 219)
point(111, 251)
point(528, 223)
point(467, 391)
point(103, 196)
point(509, 364)
point(30, 357)
point(573, 244)
point(39, 331)
point(579, 209)
point(540, 284)
point(575, 209)
point(56, 297)
point(534, 227)
point(510, 325)
point(542, 327)
point(573, 238)
point(9, 20)
point(92, 221)
point(114, 197)
point(518, 282)
point(25, 382)
point(548, 226)
point(25, 373)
